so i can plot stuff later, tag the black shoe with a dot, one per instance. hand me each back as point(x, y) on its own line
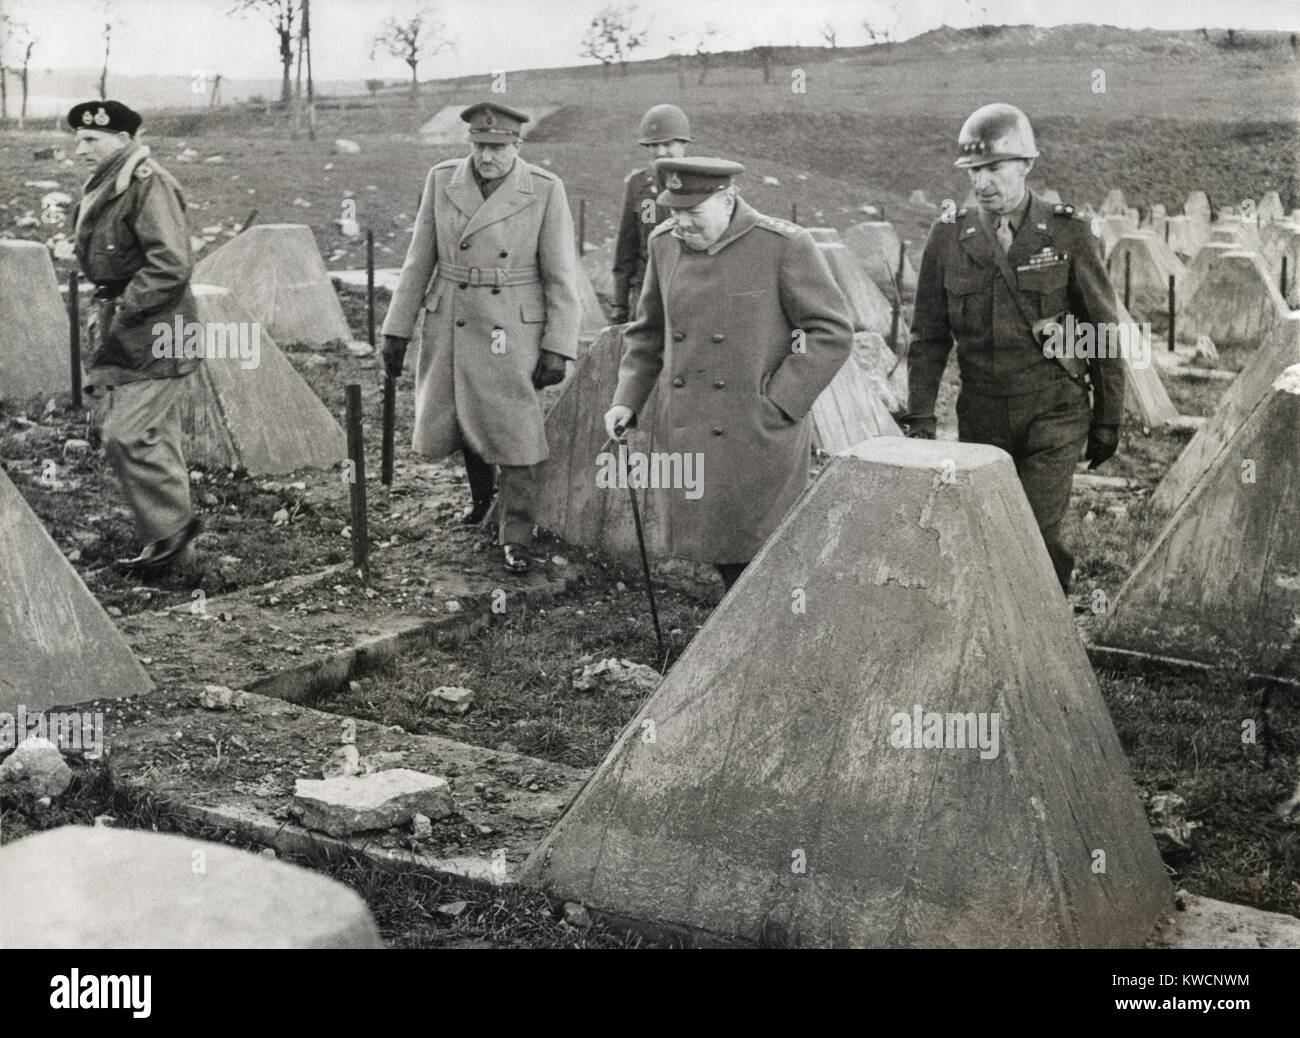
point(513, 560)
point(161, 554)
point(473, 515)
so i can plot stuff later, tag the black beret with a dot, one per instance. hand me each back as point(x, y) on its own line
point(109, 116)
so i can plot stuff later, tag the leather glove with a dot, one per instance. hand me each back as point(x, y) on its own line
point(549, 370)
point(919, 428)
point(394, 353)
point(1102, 442)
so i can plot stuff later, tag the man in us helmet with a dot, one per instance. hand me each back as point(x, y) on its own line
point(665, 131)
point(1017, 392)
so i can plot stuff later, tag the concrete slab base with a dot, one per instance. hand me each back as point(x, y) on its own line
point(1205, 923)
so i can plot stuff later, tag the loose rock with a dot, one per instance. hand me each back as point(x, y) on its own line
point(351, 803)
point(622, 677)
point(36, 767)
point(218, 697)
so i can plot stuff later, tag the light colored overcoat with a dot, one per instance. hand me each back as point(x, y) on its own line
point(496, 281)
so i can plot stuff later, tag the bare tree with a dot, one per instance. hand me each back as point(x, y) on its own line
point(419, 35)
point(703, 43)
point(765, 52)
point(611, 37)
point(829, 33)
point(880, 28)
point(284, 16)
point(109, 25)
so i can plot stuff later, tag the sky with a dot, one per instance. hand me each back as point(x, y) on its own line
point(177, 37)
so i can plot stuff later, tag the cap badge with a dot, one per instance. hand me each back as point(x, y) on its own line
point(87, 118)
point(674, 182)
point(488, 118)
point(101, 117)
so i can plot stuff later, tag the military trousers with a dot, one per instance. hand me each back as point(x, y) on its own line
point(1045, 432)
point(518, 486)
point(142, 439)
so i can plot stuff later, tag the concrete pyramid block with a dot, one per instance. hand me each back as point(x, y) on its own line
point(1150, 265)
point(868, 307)
point(849, 411)
point(593, 314)
point(79, 887)
point(1221, 582)
point(1114, 205)
point(265, 418)
point(774, 789)
point(824, 234)
point(33, 324)
point(57, 646)
point(1198, 208)
point(1194, 272)
point(1270, 208)
point(1279, 350)
point(875, 243)
point(1235, 304)
point(1184, 235)
point(599, 265)
point(1281, 241)
point(278, 277)
point(886, 371)
point(1145, 396)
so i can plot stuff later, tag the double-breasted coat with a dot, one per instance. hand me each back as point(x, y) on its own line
point(747, 334)
point(133, 242)
point(495, 278)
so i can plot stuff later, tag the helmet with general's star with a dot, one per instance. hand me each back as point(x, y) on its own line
point(995, 133)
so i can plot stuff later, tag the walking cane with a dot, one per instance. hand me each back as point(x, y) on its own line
point(619, 430)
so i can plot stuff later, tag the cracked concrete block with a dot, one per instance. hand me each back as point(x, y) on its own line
point(348, 804)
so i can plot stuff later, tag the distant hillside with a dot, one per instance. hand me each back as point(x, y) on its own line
point(54, 91)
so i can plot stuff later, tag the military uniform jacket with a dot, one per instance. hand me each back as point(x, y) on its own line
point(738, 382)
point(133, 242)
point(961, 296)
point(495, 280)
point(640, 212)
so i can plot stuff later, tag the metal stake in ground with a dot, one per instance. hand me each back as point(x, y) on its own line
point(357, 487)
point(640, 533)
point(74, 329)
point(389, 428)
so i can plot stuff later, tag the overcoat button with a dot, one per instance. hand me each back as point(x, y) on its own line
point(719, 384)
point(460, 323)
point(496, 291)
point(679, 382)
point(504, 254)
point(464, 245)
point(678, 336)
point(718, 338)
point(717, 430)
point(464, 284)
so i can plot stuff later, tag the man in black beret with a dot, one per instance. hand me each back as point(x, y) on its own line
point(133, 243)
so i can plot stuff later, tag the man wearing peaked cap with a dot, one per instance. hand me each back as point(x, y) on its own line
point(666, 131)
point(133, 243)
point(997, 279)
point(492, 267)
point(493, 123)
point(741, 315)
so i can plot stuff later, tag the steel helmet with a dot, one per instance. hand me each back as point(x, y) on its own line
point(664, 123)
point(994, 133)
